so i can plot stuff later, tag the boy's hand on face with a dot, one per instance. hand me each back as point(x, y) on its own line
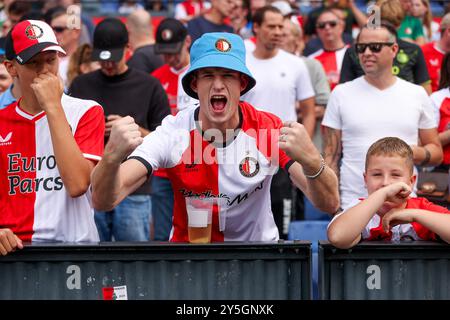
point(124, 138)
point(395, 217)
point(48, 89)
point(397, 193)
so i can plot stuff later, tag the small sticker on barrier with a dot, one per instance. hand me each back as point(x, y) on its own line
point(115, 293)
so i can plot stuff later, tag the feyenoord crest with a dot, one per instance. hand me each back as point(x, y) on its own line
point(223, 45)
point(249, 167)
point(166, 34)
point(34, 32)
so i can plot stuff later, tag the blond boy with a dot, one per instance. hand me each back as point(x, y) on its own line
point(389, 213)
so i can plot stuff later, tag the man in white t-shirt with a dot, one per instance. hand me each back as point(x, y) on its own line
point(282, 79)
point(374, 106)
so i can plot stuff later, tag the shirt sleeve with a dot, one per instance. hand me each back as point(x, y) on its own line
point(90, 133)
point(164, 147)
point(319, 82)
point(304, 86)
point(436, 108)
point(332, 117)
point(425, 233)
point(427, 118)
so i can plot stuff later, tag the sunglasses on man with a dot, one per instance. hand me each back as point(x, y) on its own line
point(375, 47)
point(323, 25)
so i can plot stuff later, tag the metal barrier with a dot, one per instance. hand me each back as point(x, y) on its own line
point(389, 271)
point(274, 271)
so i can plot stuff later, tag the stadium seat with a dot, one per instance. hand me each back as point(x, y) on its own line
point(312, 213)
point(312, 231)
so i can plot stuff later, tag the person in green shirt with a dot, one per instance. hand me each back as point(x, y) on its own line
point(411, 28)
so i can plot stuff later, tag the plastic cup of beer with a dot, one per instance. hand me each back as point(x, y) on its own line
point(199, 211)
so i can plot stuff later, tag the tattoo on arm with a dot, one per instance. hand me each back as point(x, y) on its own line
point(332, 148)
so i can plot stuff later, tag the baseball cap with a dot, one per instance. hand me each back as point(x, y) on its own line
point(170, 36)
point(28, 38)
point(283, 6)
point(110, 40)
point(217, 50)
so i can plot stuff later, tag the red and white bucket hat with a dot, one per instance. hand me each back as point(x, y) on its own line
point(28, 38)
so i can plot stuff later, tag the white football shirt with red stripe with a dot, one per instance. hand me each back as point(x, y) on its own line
point(240, 172)
point(332, 63)
point(34, 203)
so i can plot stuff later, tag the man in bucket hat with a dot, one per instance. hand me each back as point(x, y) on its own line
point(49, 144)
point(223, 148)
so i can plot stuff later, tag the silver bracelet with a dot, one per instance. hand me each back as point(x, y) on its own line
point(322, 167)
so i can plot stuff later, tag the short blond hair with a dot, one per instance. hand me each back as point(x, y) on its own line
point(391, 147)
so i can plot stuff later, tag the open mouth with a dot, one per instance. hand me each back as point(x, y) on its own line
point(218, 102)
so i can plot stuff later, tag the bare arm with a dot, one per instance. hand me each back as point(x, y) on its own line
point(332, 147)
point(360, 17)
point(430, 153)
point(444, 137)
point(112, 181)
point(438, 223)
point(323, 190)
point(345, 230)
point(307, 111)
point(74, 168)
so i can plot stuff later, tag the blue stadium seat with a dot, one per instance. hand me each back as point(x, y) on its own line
point(312, 231)
point(312, 213)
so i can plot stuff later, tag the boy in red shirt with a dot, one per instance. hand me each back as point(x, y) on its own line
point(389, 213)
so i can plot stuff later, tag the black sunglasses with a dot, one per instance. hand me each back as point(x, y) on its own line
point(375, 47)
point(59, 29)
point(322, 25)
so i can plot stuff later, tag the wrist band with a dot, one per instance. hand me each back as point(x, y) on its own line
point(319, 172)
point(427, 157)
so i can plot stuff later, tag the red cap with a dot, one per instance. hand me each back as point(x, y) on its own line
point(28, 38)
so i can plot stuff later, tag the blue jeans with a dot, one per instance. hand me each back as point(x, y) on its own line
point(162, 208)
point(129, 221)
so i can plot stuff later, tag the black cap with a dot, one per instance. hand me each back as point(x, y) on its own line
point(170, 36)
point(110, 40)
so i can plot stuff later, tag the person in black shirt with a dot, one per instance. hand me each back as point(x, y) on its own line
point(140, 32)
point(122, 91)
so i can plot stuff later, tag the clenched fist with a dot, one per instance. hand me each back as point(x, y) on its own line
point(124, 138)
point(295, 141)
